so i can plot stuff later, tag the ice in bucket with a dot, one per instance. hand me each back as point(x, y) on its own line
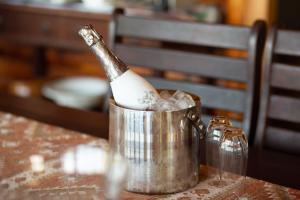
point(171, 102)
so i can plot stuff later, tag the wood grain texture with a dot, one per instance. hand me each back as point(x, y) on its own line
point(286, 76)
point(282, 105)
point(288, 43)
point(86, 121)
point(42, 25)
point(265, 90)
point(206, 65)
point(184, 32)
point(186, 62)
point(284, 108)
point(282, 139)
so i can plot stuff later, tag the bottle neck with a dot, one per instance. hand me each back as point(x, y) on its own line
point(112, 65)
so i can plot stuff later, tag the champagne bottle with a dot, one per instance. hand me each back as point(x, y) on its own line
point(129, 89)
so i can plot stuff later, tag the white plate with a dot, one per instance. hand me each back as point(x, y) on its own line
point(98, 4)
point(77, 92)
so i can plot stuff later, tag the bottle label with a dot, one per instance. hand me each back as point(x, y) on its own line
point(149, 98)
point(132, 91)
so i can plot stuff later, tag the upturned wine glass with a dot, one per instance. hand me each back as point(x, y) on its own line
point(233, 151)
point(214, 133)
point(233, 155)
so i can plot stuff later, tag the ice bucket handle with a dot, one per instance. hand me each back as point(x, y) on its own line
point(195, 118)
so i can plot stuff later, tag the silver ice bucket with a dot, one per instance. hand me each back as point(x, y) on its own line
point(162, 148)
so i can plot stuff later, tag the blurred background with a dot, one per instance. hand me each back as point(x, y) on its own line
point(39, 42)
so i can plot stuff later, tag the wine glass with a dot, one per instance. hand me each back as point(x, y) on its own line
point(214, 133)
point(233, 156)
point(86, 160)
point(115, 176)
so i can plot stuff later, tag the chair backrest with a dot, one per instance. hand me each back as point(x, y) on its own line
point(198, 49)
point(279, 115)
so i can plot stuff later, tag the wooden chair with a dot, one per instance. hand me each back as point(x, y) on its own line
point(279, 115)
point(194, 49)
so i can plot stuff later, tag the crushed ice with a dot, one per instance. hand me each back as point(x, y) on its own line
point(171, 102)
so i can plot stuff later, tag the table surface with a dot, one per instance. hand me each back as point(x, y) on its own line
point(272, 166)
point(21, 138)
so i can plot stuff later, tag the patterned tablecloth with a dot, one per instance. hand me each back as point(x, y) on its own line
point(20, 138)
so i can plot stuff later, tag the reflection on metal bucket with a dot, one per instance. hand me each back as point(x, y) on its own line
point(162, 148)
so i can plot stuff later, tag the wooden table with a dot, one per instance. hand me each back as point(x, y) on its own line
point(269, 165)
point(21, 138)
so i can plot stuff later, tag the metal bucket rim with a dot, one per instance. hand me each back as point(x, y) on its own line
point(196, 98)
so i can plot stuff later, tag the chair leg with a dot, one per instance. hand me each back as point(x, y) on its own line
point(39, 62)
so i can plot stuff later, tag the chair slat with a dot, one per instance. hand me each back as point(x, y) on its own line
point(285, 76)
point(232, 100)
point(282, 139)
point(183, 32)
point(284, 108)
point(288, 42)
point(220, 67)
